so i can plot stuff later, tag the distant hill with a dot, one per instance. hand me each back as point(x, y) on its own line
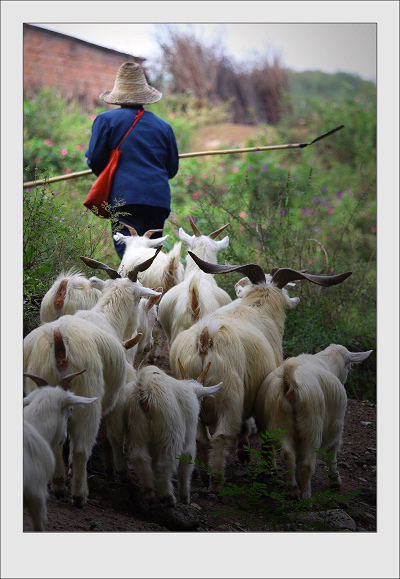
point(314, 83)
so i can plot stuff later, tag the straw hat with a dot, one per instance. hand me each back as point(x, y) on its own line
point(131, 88)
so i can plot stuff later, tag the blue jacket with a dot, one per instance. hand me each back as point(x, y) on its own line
point(149, 156)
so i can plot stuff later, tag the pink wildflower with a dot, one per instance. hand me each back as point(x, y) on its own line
point(48, 142)
point(331, 211)
point(64, 152)
point(235, 170)
point(79, 147)
point(195, 196)
point(373, 229)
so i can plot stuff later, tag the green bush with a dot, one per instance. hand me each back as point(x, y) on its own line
point(307, 208)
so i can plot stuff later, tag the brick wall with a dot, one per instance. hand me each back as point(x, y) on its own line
point(77, 69)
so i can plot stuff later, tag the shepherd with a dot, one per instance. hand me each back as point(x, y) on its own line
point(149, 154)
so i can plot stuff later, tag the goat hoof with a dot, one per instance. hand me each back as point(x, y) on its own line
point(79, 501)
point(244, 456)
point(294, 493)
point(169, 500)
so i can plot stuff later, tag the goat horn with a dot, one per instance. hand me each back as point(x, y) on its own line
point(132, 230)
point(39, 381)
point(217, 232)
point(284, 275)
point(253, 271)
point(203, 374)
point(98, 265)
point(64, 382)
point(183, 371)
point(150, 232)
point(195, 230)
point(132, 342)
point(143, 266)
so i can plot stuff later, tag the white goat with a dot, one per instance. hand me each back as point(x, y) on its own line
point(70, 292)
point(243, 344)
point(161, 419)
point(198, 294)
point(89, 339)
point(147, 318)
point(46, 411)
point(166, 272)
point(305, 397)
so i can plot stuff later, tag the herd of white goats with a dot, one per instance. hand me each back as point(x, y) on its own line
point(227, 361)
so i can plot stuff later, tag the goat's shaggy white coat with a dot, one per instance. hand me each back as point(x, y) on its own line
point(46, 411)
point(89, 339)
point(166, 271)
point(243, 343)
point(70, 292)
point(198, 294)
point(161, 421)
point(305, 397)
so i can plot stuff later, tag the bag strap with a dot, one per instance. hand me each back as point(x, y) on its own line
point(134, 123)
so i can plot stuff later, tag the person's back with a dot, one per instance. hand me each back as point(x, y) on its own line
point(149, 153)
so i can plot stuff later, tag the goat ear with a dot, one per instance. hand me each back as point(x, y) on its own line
point(96, 282)
point(98, 265)
point(357, 357)
point(157, 241)
point(37, 379)
point(74, 400)
point(183, 236)
point(223, 244)
point(154, 299)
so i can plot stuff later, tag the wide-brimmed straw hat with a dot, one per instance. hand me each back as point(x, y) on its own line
point(131, 88)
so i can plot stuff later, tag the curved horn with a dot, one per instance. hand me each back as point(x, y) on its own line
point(143, 266)
point(203, 374)
point(217, 232)
point(183, 371)
point(195, 230)
point(132, 342)
point(98, 265)
point(64, 382)
point(285, 275)
point(253, 271)
point(132, 230)
point(39, 381)
point(150, 232)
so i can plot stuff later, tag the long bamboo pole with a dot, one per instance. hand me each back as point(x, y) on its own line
point(194, 154)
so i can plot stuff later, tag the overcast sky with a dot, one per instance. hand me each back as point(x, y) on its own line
point(327, 47)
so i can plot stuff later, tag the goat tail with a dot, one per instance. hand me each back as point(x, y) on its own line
point(61, 293)
point(194, 303)
point(172, 270)
point(60, 352)
point(290, 391)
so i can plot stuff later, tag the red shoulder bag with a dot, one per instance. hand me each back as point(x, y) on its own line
point(99, 193)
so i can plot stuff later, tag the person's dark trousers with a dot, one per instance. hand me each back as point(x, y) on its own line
point(141, 218)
